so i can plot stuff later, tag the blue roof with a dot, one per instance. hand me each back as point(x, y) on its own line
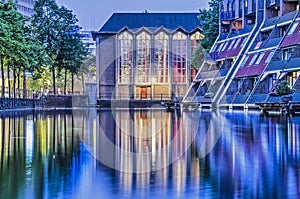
point(133, 21)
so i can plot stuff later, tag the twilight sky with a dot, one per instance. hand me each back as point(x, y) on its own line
point(92, 14)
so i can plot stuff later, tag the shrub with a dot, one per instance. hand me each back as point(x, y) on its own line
point(284, 89)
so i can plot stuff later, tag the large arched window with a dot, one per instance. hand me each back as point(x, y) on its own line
point(143, 46)
point(125, 48)
point(161, 58)
point(179, 48)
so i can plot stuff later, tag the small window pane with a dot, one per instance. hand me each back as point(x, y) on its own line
point(253, 60)
point(260, 58)
point(293, 28)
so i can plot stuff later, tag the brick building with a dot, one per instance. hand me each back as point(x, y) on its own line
point(146, 55)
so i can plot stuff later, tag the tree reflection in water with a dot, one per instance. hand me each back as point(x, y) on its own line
point(148, 153)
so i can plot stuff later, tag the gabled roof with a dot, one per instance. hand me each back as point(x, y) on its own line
point(171, 21)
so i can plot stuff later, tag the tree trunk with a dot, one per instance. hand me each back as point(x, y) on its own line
point(8, 74)
point(82, 81)
point(72, 83)
point(18, 83)
point(65, 86)
point(53, 77)
point(2, 75)
point(14, 81)
point(24, 84)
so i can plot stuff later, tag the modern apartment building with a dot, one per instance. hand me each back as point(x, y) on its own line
point(88, 41)
point(145, 56)
point(257, 47)
point(25, 7)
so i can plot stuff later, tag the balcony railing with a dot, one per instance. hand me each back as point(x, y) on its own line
point(228, 15)
point(214, 55)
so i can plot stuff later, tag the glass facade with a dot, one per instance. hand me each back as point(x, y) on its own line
point(125, 59)
point(161, 53)
point(179, 50)
point(152, 61)
point(143, 73)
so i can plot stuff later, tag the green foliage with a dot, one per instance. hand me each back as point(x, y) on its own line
point(197, 57)
point(89, 65)
point(209, 20)
point(58, 32)
point(284, 88)
point(19, 51)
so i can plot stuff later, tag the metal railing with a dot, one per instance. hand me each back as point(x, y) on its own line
point(227, 15)
point(19, 93)
point(142, 96)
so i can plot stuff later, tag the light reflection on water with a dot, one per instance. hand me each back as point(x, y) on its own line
point(149, 154)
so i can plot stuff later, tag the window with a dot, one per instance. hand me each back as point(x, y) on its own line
point(253, 59)
point(143, 46)
point(283, 30)
point(244, 41)
point(225, 46)
point(125, 58)
point(220, 47)
point(244, 61)
point(261, 55)
point(237, 43)
point(161, 56)
point(258, 45)
point(287, 53)
point(231, 44)
point(293, 78)
point(272, 81)
point(293, 28)
point(269, 57)
point(179, 47)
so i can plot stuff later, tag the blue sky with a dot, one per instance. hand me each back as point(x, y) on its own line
point(93, 13)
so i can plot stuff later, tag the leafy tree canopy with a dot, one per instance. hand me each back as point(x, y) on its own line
point(209, 19)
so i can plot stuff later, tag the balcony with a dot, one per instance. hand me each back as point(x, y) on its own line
point(214, 55)
point(228, 15)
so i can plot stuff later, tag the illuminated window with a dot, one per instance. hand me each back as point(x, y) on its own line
point(143, 48)
point(125, 58)
point(161, 55)
point(179, 48)
point(293, 78)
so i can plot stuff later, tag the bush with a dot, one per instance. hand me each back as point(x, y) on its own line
point(284, 89)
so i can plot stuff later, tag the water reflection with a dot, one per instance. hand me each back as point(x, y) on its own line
point(148, 154)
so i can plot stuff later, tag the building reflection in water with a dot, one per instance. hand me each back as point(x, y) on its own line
point(145, 153)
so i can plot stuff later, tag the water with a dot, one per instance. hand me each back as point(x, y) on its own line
point(149, 154)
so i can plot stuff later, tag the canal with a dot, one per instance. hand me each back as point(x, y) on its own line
point(148, 153)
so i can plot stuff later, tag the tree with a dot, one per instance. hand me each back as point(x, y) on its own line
point(87, 70)
point(197, 57)
point(59, 34)
point(13, 42)
point(209, 20)
point(72, 51)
